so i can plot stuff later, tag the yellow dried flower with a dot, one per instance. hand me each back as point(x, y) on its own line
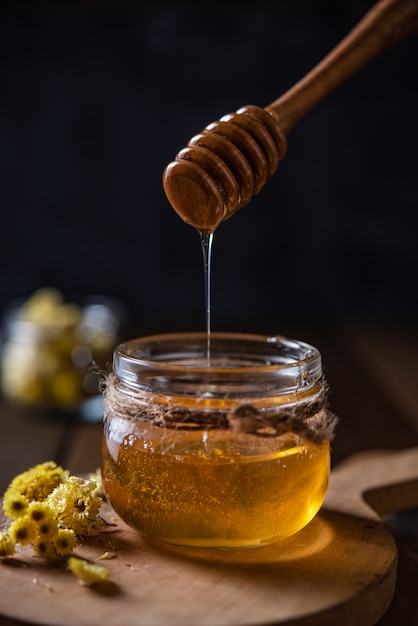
point(38, 482)
point(61, 545)
point(14, 503)
point(7, 546)
point(64, 542)
point(49, 508)
point(88, 573)
point(40, 514)
point(22, 530)
point(75, 506)
point(45, 549)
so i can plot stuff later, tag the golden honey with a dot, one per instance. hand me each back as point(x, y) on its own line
point(234, 494)
point(231, 483)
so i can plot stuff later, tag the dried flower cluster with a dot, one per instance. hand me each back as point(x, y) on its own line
point(50, 510)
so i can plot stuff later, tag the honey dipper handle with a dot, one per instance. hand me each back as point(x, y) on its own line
point(385, 24)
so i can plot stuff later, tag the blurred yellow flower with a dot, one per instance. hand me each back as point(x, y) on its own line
point(45, 549)
point(59, 546)
point(64, 542)
point(7, 545)
point(22, 531)
point(86, 572)
point(41, 515)
point(14, 503)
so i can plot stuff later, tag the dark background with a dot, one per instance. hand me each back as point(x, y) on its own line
point(96, 99)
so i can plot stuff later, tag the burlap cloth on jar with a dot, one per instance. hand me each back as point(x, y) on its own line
point(311, 418)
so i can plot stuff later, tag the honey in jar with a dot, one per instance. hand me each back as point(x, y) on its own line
point(227, 452)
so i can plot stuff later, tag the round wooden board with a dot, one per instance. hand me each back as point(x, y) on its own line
point(340, 569)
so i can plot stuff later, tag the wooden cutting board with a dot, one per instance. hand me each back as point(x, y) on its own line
point(340, 569)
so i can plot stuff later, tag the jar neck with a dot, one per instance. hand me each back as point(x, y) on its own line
point(241, 368)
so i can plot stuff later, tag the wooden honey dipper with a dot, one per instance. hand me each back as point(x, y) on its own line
point(224, 166)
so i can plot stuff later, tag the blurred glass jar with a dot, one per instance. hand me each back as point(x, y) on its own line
point(49, 348)
point(231, 451)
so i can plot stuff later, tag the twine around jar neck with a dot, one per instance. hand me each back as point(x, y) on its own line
point(311, 418)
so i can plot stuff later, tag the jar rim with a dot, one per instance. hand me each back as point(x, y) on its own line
point(263, 362)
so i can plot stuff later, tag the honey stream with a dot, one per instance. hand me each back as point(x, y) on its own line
point(206, 240)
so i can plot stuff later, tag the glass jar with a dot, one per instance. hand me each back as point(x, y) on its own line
point(49, 346)
point(220, 445)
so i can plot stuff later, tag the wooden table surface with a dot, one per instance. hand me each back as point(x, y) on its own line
point(372, 371)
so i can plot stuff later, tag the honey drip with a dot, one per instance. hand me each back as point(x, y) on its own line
point(206, 240)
